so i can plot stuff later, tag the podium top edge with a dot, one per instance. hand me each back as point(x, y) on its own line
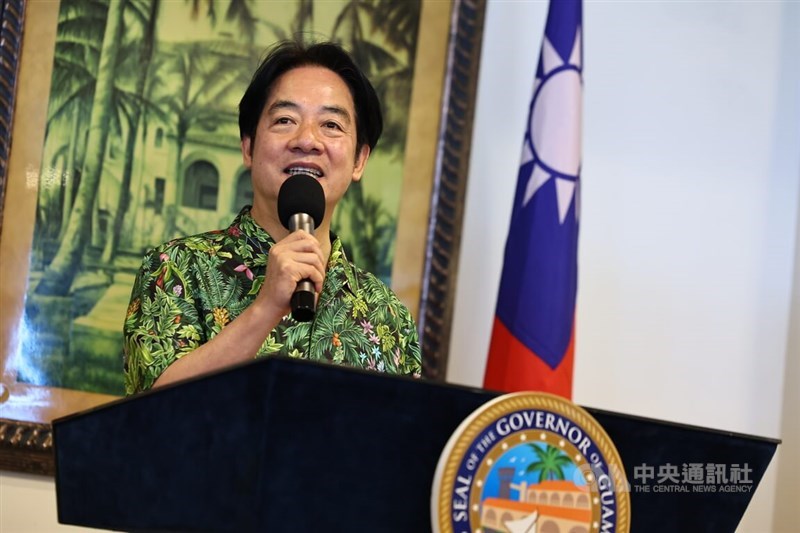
point(681, 425)
point(260, 361)
point(490, 394)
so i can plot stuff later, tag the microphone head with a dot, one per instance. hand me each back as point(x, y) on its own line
point(301, 193)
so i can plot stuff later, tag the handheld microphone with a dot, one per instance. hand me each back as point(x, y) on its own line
point(301, 205)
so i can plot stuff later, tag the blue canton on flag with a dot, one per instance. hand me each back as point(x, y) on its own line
point(536, 302)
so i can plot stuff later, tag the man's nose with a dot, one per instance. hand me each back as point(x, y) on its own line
point(306, 138)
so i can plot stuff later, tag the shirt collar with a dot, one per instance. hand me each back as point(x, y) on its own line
point(245, 224)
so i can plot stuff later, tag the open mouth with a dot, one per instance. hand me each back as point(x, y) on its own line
point(304, 170)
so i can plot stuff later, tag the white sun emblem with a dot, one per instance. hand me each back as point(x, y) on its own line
point(554, 140)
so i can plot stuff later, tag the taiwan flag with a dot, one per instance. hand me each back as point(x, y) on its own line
point(533, 338)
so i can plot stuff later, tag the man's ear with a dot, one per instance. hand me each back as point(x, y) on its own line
point(361, 162)
point(247, 151)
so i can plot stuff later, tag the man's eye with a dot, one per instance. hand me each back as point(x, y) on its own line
point(283, 120)
point(332, 125)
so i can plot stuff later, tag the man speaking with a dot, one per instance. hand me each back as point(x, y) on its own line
point(269, 283)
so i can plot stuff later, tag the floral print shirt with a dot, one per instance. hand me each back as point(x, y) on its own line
point(188, 289)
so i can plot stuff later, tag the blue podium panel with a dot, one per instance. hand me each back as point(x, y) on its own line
point(283, 445)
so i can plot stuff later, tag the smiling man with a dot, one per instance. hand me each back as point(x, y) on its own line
point(208, 301)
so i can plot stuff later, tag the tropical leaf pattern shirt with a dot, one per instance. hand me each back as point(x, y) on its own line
point(188, 289)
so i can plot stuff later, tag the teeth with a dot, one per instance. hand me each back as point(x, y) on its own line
point(300, 170)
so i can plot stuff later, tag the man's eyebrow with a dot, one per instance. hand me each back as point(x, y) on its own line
point(337, 110)
point(288, 104)
point(283, 104)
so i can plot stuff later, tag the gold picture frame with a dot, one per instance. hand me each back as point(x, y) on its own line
point(428, 232)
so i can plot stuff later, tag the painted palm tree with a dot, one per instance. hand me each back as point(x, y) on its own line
point(239, 12)
point(303, 21)
point(146, 12)
point(371, 227)
point(300, 27)
point(398, 22)
point(368, 229)
point(76, 56)
point(60, 273)
point(200, 76)
point(75, 76)
point(550, 462)
point(210, 5)
point(350, 31)
point(75, 84)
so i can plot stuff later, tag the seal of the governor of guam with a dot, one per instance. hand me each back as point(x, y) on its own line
point(530, 462)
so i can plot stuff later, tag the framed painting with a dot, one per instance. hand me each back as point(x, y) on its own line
point(89, 182)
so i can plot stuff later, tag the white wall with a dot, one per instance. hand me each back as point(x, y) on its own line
point(28, 505)
point(788, 458)
point(690, 179)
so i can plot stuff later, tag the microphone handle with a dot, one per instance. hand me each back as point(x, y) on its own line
point(303, 302)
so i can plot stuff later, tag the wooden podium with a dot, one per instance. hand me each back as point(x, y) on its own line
point(282, 445)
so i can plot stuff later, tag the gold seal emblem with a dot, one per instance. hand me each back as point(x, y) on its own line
point(530, 462)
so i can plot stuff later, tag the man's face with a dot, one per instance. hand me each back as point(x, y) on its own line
point(309, 125)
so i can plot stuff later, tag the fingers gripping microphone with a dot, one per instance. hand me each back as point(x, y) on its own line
point(301, 205)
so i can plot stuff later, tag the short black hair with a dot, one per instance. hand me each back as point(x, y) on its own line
point(288, 55)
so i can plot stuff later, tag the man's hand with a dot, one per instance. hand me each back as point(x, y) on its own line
point(296, 257)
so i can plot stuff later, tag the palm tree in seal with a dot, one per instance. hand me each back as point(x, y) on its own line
point(550, 462)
